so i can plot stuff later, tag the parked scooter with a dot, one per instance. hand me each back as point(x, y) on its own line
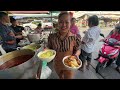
point(107, 54)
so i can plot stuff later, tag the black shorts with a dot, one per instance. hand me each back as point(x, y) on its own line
point(85, 56)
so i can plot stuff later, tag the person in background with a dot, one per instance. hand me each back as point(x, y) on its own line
point(16, 29)
point(74, 29)
point(7, 36)
point(118, 63)
point(39, 28)
point(71, 15)
point(64, 43)
point(55, 27)
point(88, 41)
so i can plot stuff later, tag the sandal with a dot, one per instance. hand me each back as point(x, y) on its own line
point(88, 65)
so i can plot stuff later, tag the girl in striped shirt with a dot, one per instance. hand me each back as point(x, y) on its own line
point(65, 43)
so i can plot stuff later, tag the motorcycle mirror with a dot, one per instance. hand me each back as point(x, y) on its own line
point(102, 35)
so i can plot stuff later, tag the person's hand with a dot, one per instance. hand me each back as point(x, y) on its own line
point(19, 36)
point(45, 47)
point(77, 56)
point(101, 40)
point(10, 42)
point(12, 34)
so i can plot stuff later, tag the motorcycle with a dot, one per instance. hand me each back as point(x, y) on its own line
point(108, 53)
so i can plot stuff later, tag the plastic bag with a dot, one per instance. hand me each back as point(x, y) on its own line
point(45, 73)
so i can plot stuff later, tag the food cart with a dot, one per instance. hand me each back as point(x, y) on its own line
point(29, 68)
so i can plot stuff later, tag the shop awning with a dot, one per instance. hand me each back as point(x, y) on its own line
point(28, 12)
point(34, 13)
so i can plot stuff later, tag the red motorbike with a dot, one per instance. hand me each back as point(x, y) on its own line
point(107, 54)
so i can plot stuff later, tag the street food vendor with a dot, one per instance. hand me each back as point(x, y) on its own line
point(6, 34)
point(65, 43)
point(16, 29)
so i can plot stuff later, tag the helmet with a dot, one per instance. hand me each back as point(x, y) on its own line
point(117, 27)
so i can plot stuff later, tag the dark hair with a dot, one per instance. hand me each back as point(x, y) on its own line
point(63, 13)
point(73, 18)
point(93, 20)
point(2, 14)
point(39, 24)
point(12, 20)
point(54, 24)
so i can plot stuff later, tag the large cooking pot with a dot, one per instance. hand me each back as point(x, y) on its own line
point(34, 37)
point(18, 65)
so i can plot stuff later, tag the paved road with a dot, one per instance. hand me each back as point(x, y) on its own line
point(107, 73)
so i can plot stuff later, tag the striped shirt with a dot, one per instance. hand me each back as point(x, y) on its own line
point(54, 42)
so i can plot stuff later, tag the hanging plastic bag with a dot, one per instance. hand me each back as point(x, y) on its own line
point(45, 73)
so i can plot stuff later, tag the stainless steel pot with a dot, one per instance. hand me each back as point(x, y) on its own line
point(18, 65)
point(34, 37)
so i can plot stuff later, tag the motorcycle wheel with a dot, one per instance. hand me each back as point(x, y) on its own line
point(99, 66)
point(109, 63)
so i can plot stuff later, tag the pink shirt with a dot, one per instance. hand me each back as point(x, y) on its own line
point(38, 30)
point(74, 29)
